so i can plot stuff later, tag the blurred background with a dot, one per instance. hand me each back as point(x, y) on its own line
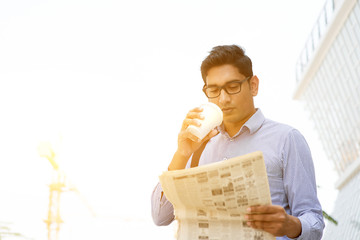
point(105, 86)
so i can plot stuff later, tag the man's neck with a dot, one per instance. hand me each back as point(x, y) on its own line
point(232, 128)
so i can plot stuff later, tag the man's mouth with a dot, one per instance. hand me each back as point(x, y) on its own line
point(227, 109)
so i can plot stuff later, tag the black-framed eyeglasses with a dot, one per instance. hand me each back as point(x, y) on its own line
point(233, 87)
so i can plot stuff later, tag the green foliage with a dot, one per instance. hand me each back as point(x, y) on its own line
point(5, 232)
point(329, 218)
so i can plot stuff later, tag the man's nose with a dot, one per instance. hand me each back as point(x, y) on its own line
point(224, 96)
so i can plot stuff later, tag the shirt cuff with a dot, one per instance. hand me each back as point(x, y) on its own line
point(156, 200)
point(305, 230)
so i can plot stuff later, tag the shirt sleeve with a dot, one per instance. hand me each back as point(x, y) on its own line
point(300, 186)
point(161, 209)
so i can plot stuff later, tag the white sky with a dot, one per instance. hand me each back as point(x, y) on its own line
point(113, 80)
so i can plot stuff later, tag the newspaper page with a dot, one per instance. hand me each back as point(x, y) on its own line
point(210, 201)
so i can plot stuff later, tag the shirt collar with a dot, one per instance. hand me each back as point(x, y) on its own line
point(253, 124)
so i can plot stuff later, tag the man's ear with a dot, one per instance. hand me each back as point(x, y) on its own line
point(254, 85)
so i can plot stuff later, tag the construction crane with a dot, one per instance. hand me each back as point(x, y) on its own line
point(58, 185)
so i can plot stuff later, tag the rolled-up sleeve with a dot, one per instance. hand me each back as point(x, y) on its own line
point(161, 209)
point(300, 186)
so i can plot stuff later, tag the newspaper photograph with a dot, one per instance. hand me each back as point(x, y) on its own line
point(210, 201)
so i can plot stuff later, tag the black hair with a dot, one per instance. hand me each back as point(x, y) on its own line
point(227, 54)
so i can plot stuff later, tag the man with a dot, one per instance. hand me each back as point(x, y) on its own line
point(230, 83)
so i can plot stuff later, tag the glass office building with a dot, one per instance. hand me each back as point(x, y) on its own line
point(328, 82)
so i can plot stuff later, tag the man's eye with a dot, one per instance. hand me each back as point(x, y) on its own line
point(213, 90)
point(232, 86)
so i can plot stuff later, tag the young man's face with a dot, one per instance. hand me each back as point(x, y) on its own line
point(239, 107)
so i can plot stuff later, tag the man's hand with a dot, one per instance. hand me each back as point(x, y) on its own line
point(187, 142)
point(273, 219)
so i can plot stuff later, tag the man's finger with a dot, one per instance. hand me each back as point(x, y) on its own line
point(189, 135)
point(187, 122)
point(194, 122)
point(211, 134)
point(257, 225)
point(267, 226)
point(261, 217)
point(264, 209)
point(195, 115)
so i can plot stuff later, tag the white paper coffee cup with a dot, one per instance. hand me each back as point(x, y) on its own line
point(213, 117)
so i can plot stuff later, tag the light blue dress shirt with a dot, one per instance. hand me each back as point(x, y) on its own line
point(288, 164)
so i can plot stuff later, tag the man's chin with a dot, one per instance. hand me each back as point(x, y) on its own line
point(229, 119)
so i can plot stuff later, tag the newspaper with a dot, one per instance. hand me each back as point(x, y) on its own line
point(210, 201)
